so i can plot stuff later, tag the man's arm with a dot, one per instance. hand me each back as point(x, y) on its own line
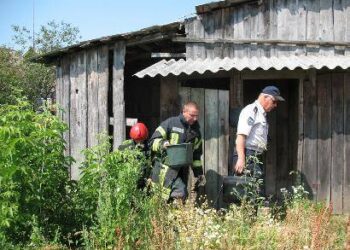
point(159, 139)
point(240, 145)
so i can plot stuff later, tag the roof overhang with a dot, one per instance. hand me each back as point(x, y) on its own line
point(143, 36)
point(188, 67)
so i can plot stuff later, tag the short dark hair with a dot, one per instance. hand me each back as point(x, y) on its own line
point(190, 104)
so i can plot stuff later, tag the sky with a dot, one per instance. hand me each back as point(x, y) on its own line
point(94, 18)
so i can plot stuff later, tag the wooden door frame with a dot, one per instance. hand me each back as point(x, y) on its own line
point(237, 101)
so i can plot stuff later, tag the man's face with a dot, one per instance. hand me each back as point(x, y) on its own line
point(190, 114)
point(270, 103)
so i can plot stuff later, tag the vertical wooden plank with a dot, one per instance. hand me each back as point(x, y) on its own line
point(223, 139)
point(337, 173)
point(301, 25)
point(326, 25)
point(300, 126)
point(211, 144)
point(239, 31)
point(236, 103)
point(169, 100)
point(347, 26)
point(59, 91)
point(197, 95)
point(293, 125)
point(313, 21)
point(228, 31)
point(195, 30)
point(184, 95)
point(66, 101)
point(346, 191)
point(92, 93)
point(309, 169)
point(118, 94)
point(264, 28)
point(286, 18)
point(102, 71)
point(339, 23)
point(273, 24)
point(324, 143)
point(213, 29)
point(78, 111)
point(189, 30)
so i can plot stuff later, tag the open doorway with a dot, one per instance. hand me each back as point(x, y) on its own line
point(281, 156)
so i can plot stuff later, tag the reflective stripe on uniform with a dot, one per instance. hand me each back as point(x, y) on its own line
point(174, 138)
point(161, 131)
point(197, 143)
point(197, 163)
point(156, 144)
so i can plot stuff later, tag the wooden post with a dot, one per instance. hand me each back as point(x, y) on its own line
point(310, 160)
point(346, 191)
point(78, 111)
point(118, 94)
point(102, 72)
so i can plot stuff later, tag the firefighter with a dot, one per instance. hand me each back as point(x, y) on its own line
point(183, 128)
point(139, 135)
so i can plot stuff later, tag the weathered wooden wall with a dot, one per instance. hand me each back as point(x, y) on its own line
point(82, 93)
point(326, 164)
point(288, 20)
point(316, 137)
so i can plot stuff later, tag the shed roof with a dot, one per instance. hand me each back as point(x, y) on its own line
point(147, 35)
point(167, 67)
point(200, 9)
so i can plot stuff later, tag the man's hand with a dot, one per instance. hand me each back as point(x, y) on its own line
point(201, 180)
point(166, 144)
point(239, 166)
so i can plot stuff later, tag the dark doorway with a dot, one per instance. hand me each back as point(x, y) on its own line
point(281, 156)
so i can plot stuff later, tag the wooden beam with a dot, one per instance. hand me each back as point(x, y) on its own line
point(148, 39)
point(260, 41)
point(201, 9)
point(167, 55)
point(118, 94)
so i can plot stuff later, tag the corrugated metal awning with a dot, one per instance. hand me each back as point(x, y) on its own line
point(167, 67)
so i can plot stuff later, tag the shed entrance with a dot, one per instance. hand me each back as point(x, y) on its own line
point(281, 156)
point(213, 119)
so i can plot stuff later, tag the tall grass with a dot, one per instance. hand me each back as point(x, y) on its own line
point(41, 208)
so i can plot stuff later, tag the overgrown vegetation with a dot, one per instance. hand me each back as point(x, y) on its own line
point(40, 207)
point(19, 76)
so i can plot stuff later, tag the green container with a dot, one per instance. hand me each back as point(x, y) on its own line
point(180, 155)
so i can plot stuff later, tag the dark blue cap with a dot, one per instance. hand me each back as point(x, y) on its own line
point(273, 91)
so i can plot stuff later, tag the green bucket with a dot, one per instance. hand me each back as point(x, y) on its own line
point(180, 154)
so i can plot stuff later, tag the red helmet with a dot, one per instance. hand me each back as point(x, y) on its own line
point(139, 132)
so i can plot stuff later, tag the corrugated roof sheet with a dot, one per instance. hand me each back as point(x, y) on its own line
point(166, 67)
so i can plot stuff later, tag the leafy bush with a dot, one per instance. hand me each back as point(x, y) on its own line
point(33, 173)
point(111, 208)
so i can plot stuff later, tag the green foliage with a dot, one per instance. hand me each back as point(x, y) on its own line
point(33, 172)
point(112, 209)
point(50, 37)
point(21, 77)
point(11, 74)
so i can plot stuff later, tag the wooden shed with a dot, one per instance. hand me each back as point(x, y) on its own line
point(235, 48)
point(231, 50)
point(96, 89)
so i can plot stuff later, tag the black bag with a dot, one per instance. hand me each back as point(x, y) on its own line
point(235, 187)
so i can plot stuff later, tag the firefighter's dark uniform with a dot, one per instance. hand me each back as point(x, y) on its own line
point(145, 169)
point(176, 130)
